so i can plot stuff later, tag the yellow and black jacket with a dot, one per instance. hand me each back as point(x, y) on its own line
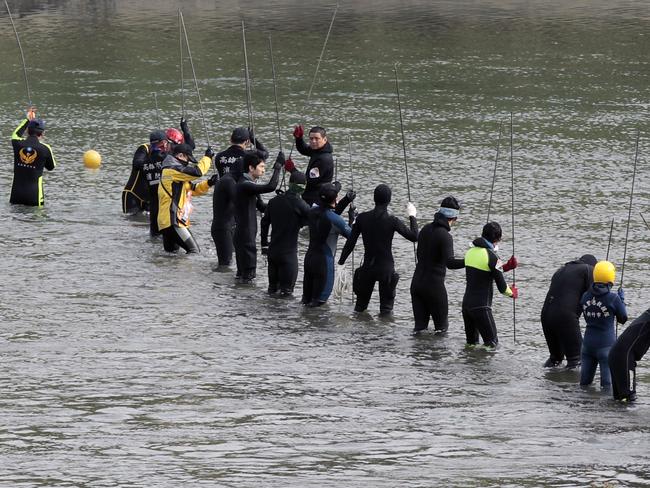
point(30, 157)
point(176, 190)
point(480, 270)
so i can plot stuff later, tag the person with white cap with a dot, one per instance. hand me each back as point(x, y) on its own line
point(435, 254)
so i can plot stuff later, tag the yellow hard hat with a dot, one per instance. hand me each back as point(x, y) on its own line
point(604, 272)
point(92, 159)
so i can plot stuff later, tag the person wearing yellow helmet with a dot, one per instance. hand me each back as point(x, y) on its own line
point(600, 307)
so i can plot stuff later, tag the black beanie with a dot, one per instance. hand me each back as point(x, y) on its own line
point(298, 177)
point(450, 202)
point(382, 194)
point(589, 259)
point(327, 193)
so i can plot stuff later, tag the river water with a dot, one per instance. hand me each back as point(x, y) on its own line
point(123, 366)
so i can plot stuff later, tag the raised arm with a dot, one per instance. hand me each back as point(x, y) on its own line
point(351, 242)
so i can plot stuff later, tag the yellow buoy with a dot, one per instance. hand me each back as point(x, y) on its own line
point(92, 159)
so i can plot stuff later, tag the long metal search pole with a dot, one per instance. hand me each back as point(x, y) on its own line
point(352, 188)
point(512, 185)
point(275, 95)
point(22, 55)
point(629, 213)
point(406, 167)
point(249, 97)
point(494, 175)
point(320, 58)
point(283, 184)
point(155, 101)
point(180, 40)
point(609, 241)
point(196, 83)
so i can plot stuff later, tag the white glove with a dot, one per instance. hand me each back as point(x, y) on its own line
point(410, 210)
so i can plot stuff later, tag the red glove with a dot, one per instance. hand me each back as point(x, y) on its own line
point(298, 132)
point(515, 291)
point(289, 166)
point(510, 264)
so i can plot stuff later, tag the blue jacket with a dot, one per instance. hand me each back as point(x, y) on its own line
point(600, 306)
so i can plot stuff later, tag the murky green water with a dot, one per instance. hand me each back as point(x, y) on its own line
point(122, 366)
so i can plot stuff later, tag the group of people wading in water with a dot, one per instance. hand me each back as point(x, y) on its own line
point(165, 176)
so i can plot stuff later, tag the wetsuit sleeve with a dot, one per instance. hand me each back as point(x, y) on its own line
point(455, 263)
point(340, 225)
point(260, 205)
point(351, 242)
point(20, 130)
point(452, 262)
point(341, 204)
point(262, 153)
point(265, 223)
point(50, 162)
point(252, 189)
point(187, 135)
point(140, 157)
point(303, 148)
point(620, 310)
point(500, 281)
point(411, 232)
point(587, 281)
point(302, 209)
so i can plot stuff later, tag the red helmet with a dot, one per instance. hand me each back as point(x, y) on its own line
point(175, 136)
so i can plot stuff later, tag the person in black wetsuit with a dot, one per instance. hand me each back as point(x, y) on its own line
point(285, 214)
point(31, 156)
point(135, 195)
point(153, 168)
point(629, 348)
point(377, 228)
point(229, 164)
point(240, 139)
point(325, 224)
point(561, 311)
point(481, 269)
point(246, 203)
point(435, 255)
point(320, 169)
